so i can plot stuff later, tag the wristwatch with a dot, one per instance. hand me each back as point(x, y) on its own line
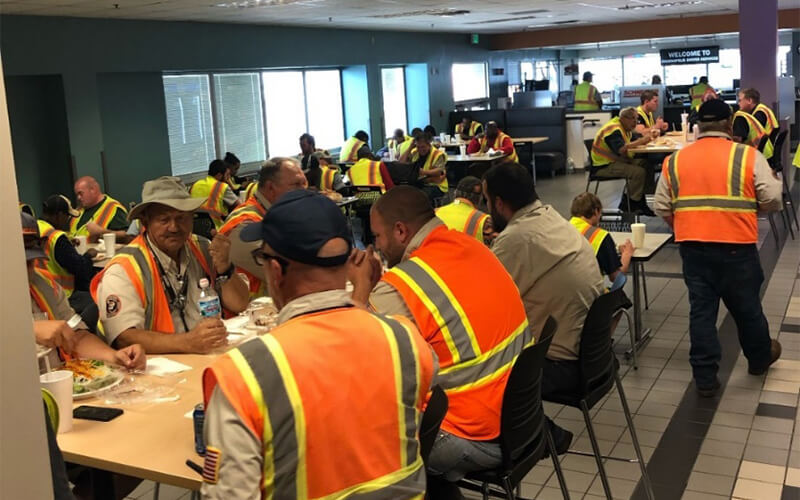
point(223, 277)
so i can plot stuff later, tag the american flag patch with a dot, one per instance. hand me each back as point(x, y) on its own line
point(211, 465)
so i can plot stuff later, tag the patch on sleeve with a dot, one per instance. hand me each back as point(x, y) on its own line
point(211, 465)
point(113, 306)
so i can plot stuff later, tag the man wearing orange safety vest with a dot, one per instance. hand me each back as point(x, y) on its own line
point(462, 214)
point(370, 172)
point(467, 128)
point(328, 404)
point(277, 176)
point(219, 198)
point(148, 293)
point(98, 213)
point(476, 336)
point(710, 192)
point(494, 139)
point(587, 97)
point(350, 149)
point(56, 324)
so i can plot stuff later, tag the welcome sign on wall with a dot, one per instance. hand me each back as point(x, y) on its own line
point(693, 55)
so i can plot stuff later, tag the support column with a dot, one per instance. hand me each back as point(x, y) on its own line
point(85, 125)
point(758, 47)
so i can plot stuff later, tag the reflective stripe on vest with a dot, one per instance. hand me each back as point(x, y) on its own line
point(214, 193)
point(585, 97)
point(63, 277)
point(474, 222)
point(595, 235)
point(649, 121)
point(140, 267)
point(498, 145)
point(462, 216)
point(251, 188)
point(470, 366)
point(259, 382)
point(713, 199)
point(366, 172)
point(327, 178)
point(601, 153)
point(473, 128)
point(349, 151)
point(433, 156)
point(40, 281)
point(755, 133)
point(250, 211)
point(772, 120)
point(102, 216)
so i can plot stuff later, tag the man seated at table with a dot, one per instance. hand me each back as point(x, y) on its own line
point(467, 128)
point(431, 164)
point(277, 176)
point(611, 158)
point(358, 421)
point(399, 142)
point(368, 171)
point(322, 174)
point(552, 265)
point(359, 143)
point(148, 293)
point(645, 122)
point(98, 213)
point(308, 147)
point(750, 102)
point(463, 215)
point(71, 270)
point(218, 197)
point(748, 128)
point(468, 329)
point(493, 139)
point(56, 324)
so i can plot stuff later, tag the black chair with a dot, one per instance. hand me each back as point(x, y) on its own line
point(776, 162)
point(431, 420)
point(598, 367)
point(524, 436)
point(203, 225)
point(367, 195)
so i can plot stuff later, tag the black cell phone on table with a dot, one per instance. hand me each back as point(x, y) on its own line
point(97, 413)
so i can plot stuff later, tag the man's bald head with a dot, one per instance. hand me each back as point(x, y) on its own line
point(404, 204)
point(88, 192)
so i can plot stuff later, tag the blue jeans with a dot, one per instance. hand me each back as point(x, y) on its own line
point(453, 457)
point(714, 271)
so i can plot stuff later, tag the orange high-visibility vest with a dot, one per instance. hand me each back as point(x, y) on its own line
point(139, 264)
point(251, 211)
point(585, 97)
point(349, 151)
point(498, 145)
point(462, 216)
point(772, 121)
point(473, 128)
point(593, 234)
point(601, 153)
point(712, 186)
point(755, 133)
point(214, 192)
point(366, 172)
point(63, 277)
point(102, 216)
point(331, 425)
point(476, 336)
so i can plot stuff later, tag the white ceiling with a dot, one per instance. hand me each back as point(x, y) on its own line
point(406, 15)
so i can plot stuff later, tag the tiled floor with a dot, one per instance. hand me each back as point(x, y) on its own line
point(743, 444)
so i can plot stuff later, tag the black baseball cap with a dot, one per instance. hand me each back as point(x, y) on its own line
point(714, 110)
point(30, 230)
point(59, 204)
point(298, 225)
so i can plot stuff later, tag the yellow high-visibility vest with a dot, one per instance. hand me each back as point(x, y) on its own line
point(649, 120)
point(601, 153)
point(462, 216)
point(696, 94)
point(102, 216)
point(755, 133)
point(595, 235)
point(349, 151)
point(61, 275)
point(772, 121)
point(214, 193)
point(585, 97)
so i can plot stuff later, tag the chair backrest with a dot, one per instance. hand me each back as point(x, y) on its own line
point(431, 420)
point(596, 357)
point(763, 142)
point(522, 417)
point(776, 161)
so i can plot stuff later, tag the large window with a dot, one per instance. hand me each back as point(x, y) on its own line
point(640, 68)
point(722, 74)
point(240, 126)
point(394, 100)
point(191, 135)
point(470, 81)
point(684, 74)
point(606, 72)
point(548, 70)
point(292, 102)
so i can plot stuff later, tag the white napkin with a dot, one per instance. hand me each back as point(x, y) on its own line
point(491, 152)
point(161, 367)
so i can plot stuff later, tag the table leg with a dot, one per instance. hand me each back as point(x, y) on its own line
point(641, 336)
point(533, 165)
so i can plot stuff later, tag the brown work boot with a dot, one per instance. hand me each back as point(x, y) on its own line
point(774, 353)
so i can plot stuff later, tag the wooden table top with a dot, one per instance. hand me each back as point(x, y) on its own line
point(150, 440)
point(654, 146)
point(476, 158)
point(532, 140)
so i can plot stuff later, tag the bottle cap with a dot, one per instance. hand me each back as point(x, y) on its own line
point(203, 283)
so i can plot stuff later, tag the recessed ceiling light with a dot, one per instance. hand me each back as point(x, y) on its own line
point(246, 4)
point(428, 12)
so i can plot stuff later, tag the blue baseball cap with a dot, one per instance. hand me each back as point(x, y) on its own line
point(298, 225)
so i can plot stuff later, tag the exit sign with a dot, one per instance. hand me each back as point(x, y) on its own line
point(474, 39)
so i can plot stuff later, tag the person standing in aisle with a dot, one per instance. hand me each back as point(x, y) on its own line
point(709, 193)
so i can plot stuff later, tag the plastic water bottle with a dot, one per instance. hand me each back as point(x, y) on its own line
point(209, 304)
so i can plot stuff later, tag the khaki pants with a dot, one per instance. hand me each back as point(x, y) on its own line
point(634, 171)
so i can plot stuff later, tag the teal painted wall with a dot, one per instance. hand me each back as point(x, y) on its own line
point(39, 137)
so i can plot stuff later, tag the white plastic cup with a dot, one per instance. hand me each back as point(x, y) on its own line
point(638, 230)
point(59, 383)
point(447, 138)
point(462, 149)
point(110, 240)
point(83, 244)
point(441, 136)
point(392, 154)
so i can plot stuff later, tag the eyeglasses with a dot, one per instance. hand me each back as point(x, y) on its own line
point(260, 258)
